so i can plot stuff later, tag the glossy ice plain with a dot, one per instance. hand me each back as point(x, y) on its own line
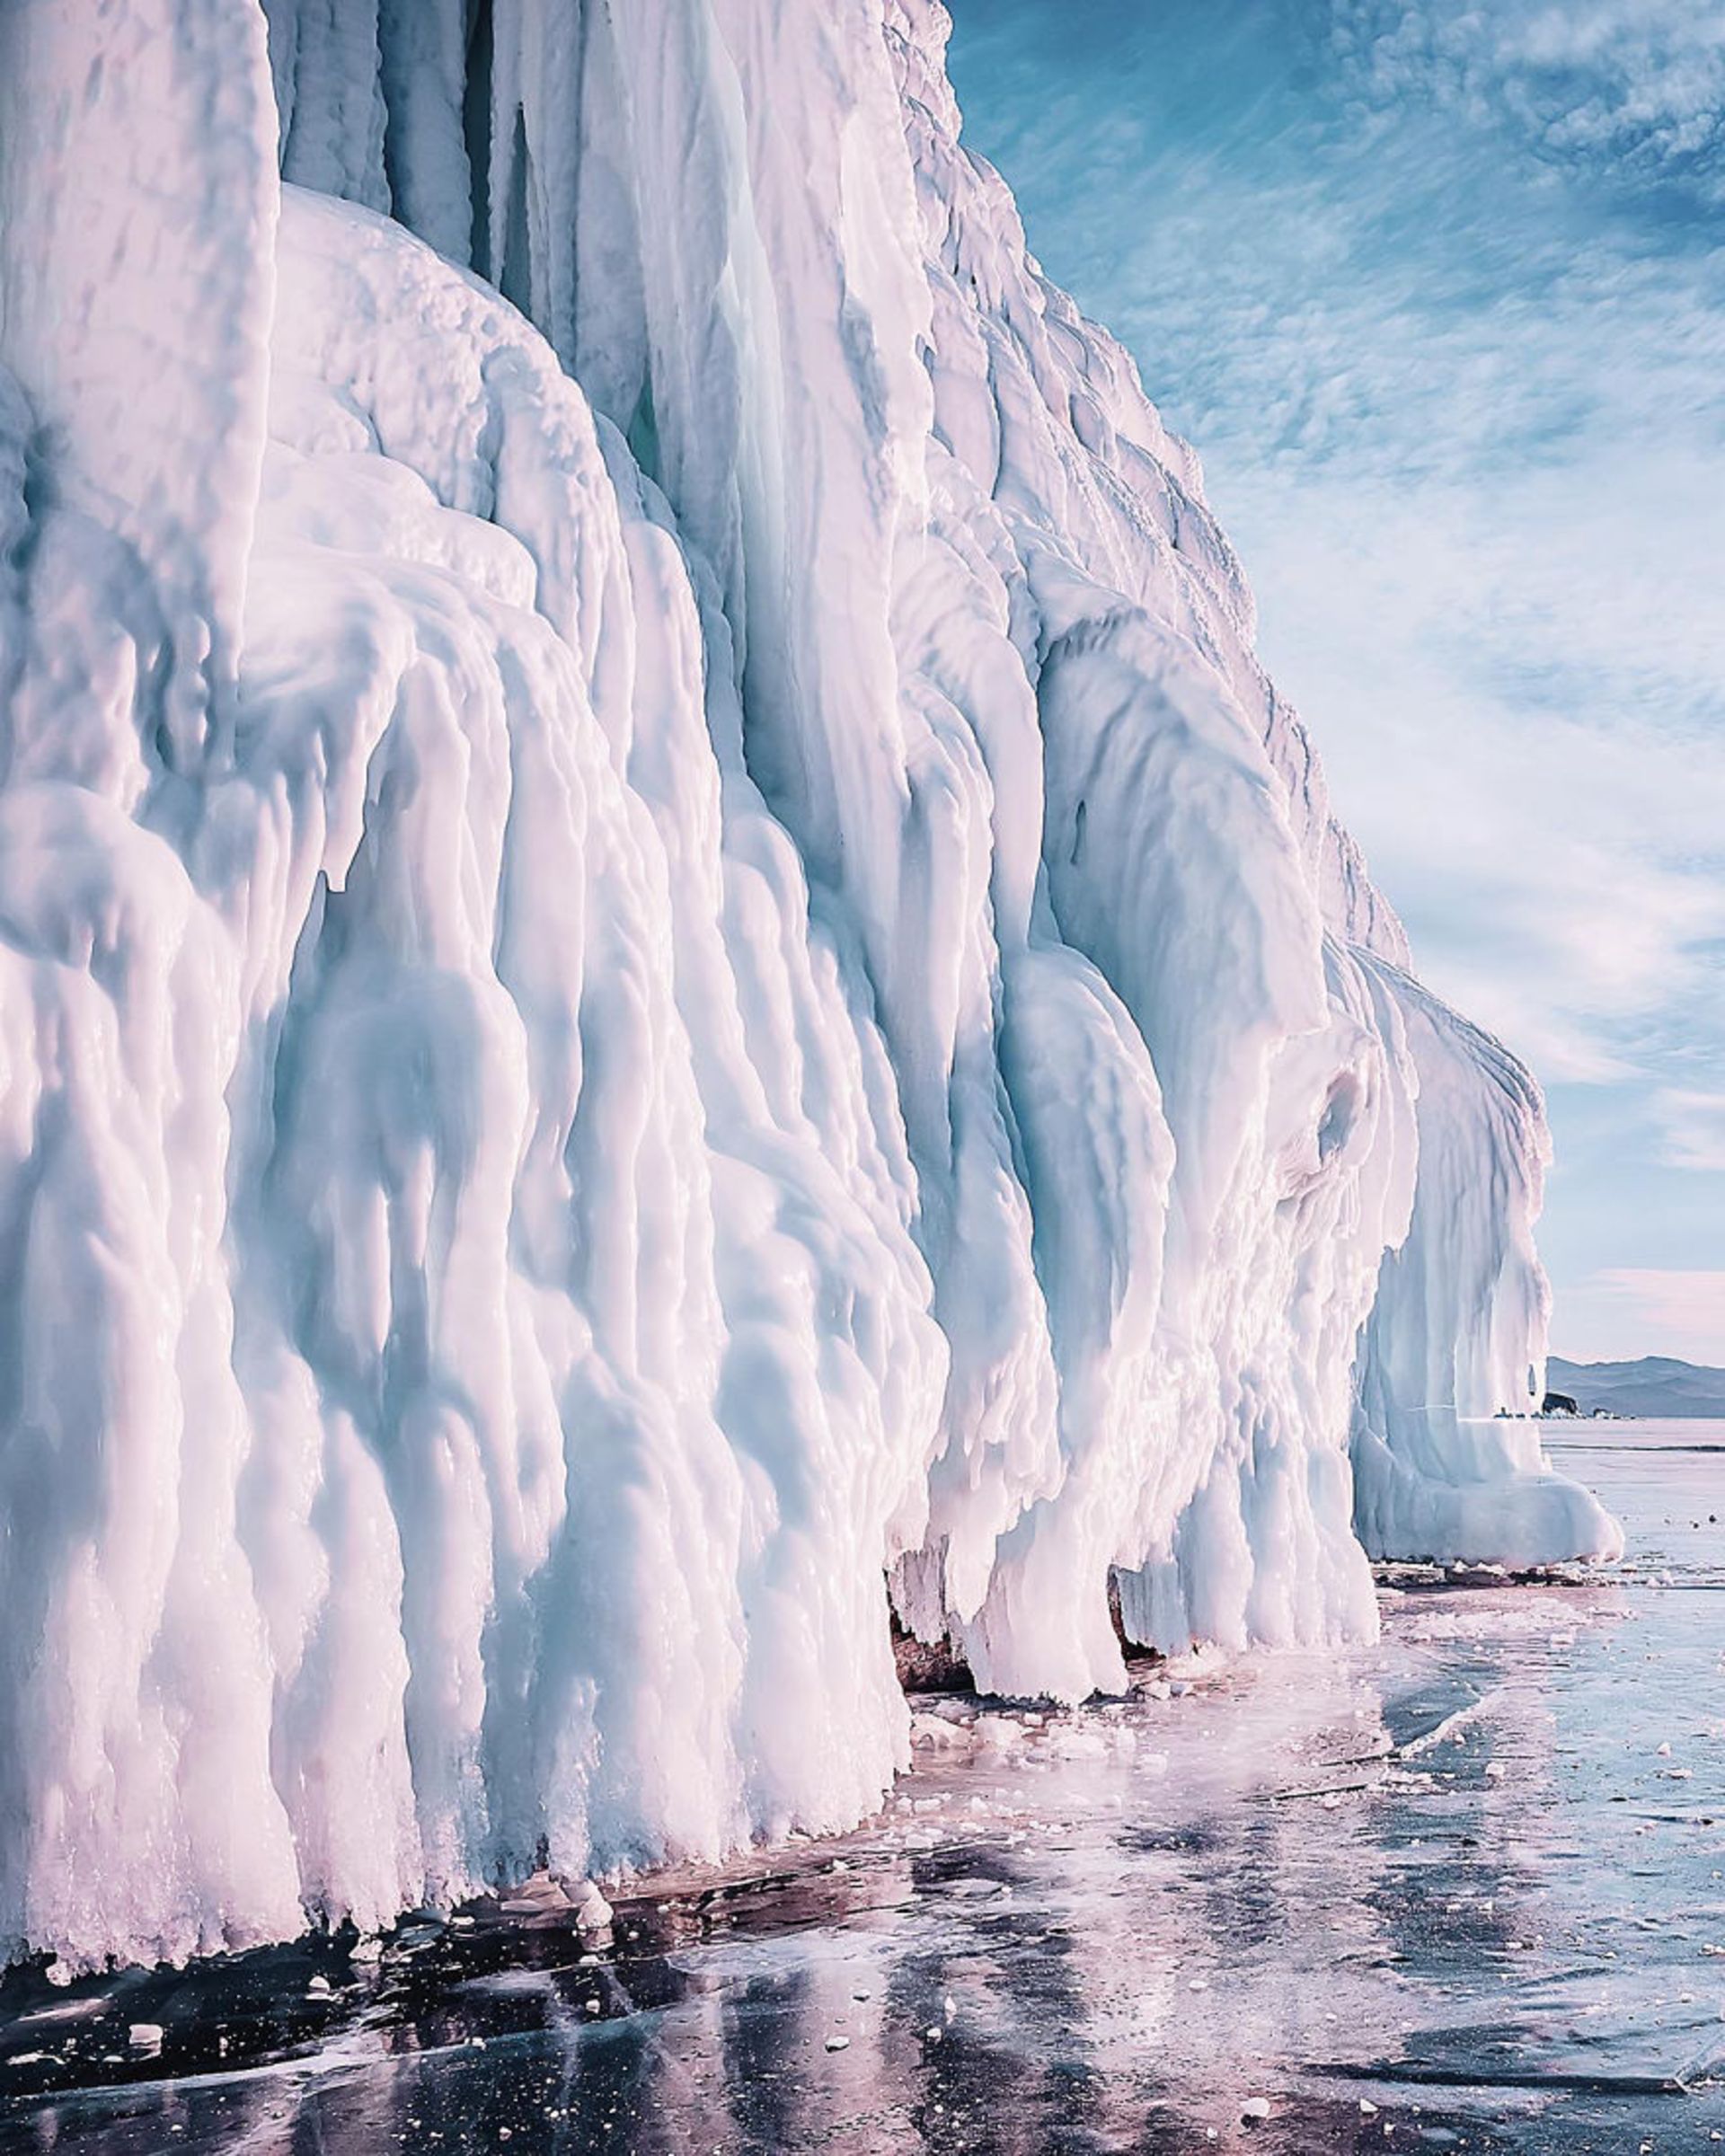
point(1446, 1892)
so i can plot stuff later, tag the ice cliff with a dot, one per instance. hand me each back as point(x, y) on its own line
point(664, 966)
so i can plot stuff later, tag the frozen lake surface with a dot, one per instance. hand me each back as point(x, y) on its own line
point(1463, 1890)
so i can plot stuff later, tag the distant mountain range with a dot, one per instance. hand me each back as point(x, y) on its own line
point(1657, 1385)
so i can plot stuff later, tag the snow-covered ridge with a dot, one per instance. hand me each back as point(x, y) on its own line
point(661, 953)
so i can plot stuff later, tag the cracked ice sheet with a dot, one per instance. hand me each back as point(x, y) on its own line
point(1454, 1878)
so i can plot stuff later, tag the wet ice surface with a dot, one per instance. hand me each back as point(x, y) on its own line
point(1464, 1890)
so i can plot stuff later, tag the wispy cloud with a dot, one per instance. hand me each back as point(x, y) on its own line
point(1437, 289)
point(1623, 1312)
point(1543, 792)
point(1695, 1128)
point(1637, 85)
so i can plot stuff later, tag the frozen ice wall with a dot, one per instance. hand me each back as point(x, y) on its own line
point(665, 969)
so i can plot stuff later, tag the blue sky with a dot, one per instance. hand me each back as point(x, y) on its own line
point(1438, 292)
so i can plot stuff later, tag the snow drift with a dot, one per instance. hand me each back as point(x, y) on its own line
point(664, 968)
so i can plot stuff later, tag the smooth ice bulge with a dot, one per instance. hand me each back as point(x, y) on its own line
point(664, 967)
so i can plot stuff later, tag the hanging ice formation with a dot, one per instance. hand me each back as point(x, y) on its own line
point(661, 956)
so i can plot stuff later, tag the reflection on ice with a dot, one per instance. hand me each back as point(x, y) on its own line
point(1463, 1888)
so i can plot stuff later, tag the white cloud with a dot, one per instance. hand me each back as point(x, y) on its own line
point(1695, 1130)
point(1619, 1315)
point(1433, 308)
point(1638, 84)
point(1558, 862)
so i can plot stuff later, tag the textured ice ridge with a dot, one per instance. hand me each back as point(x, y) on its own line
point(661, 958)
